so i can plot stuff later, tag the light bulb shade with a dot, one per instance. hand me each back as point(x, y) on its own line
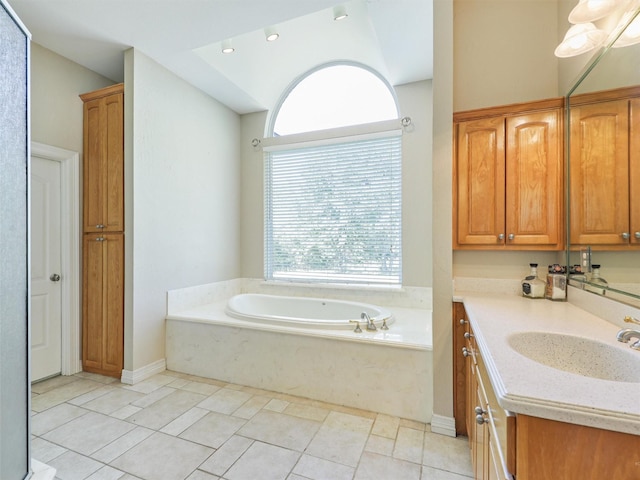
point(227, 47)
point(631, 34)
point(339, 12)
point(590, 10)
point(270, 34)
point(580, 39)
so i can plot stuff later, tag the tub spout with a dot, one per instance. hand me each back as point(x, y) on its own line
point(370, 325)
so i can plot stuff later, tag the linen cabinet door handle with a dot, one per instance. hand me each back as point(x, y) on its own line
point(625, 235)
point(511, 236)
point(501, 236)
point(637, 235)
point(100, 239)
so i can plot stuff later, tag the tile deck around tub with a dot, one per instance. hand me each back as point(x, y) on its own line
point(180, 427)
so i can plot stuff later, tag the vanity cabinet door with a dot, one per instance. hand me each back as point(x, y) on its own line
point(534, 179)
point(480, 183)
point(600, 173)
point(634, 170)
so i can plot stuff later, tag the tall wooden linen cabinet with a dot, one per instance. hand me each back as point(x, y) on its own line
point(103, 232)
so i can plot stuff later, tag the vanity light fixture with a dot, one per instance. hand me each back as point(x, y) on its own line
point(227, 47)
point(631, 34)
point(590, 10)
point(580, 38)
point(271, 34)
point(339, 12)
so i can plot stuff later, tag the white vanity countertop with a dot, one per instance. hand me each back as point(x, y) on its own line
point(530, 388)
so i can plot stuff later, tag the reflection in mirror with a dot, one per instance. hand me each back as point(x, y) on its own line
point(618, 258)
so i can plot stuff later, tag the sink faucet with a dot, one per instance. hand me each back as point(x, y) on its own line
point(626, 334)
point(370, 325)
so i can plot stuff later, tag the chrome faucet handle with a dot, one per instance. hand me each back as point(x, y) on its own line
point(384, 325)
point(357, 329)
point(370, 325)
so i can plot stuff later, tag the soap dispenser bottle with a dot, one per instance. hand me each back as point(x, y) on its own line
point(532, 286)
point(596, 282)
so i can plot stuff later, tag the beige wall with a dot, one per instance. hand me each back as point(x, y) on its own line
point(182, 197)
point(56, 108)
point(503, 52)
point(415, 101)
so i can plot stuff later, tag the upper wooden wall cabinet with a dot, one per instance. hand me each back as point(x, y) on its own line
point(605, 169)
point(103, 160)
point(508, 178)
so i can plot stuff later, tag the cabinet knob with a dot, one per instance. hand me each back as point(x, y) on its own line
point(625, 235)
point(511, 236)
point(479, 410)
point(637, 235)
point(463, 321)
point(480, 420)
point(465, 352)
point(100, 239)
point(467, 335)
point(501, 236)
point(100, 225)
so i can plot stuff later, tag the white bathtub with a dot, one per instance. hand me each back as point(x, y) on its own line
point(305, 312)
point(386, 371)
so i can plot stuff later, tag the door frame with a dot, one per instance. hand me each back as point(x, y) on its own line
point(69, 252)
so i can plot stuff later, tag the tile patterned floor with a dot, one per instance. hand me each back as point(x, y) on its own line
point(176, 427)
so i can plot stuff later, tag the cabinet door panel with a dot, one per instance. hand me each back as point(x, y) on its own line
point(93, 166)
point(634, 170)
point(113, 319)
point(599, 173)
point(92, 302)
point(114, 155)
point(534, 179)
point(480, 182)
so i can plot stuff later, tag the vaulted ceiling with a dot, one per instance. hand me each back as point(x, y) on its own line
point(393, 37)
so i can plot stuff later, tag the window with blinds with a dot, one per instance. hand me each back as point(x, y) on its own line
point(333, 211)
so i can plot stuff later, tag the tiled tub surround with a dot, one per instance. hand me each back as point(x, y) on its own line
point(389, 371)
point(527, 387)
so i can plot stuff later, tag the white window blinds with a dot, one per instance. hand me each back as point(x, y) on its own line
point(333, 212)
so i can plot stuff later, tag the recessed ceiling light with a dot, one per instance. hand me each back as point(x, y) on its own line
point(227, 47)
point(339, 12)
point(270, 34)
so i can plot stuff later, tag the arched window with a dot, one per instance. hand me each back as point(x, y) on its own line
point(334, 96)
point(333, 181)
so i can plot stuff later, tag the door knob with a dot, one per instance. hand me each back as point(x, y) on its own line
point(54, 277)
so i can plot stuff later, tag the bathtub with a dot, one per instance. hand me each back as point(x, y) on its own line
point(305, 312)
point(386, 371)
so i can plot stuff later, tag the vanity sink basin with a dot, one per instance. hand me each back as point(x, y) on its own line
point(578, 355)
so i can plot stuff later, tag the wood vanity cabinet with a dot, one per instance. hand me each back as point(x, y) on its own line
point(605, 169)
point(103, 232)
point(508, 178)
point(488, 426)
point(505, 446)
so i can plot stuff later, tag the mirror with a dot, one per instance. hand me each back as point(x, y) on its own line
point(610, 68)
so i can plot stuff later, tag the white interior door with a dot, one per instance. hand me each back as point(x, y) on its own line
point(46, 277)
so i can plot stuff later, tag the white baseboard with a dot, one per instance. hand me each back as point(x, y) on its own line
point(443, 425)
point(131, 377)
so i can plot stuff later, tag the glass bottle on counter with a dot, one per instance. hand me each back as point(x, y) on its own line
point(596, 282)
point(532, 286)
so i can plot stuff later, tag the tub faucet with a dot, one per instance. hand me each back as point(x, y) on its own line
point(626, 334)
point(370, 325)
